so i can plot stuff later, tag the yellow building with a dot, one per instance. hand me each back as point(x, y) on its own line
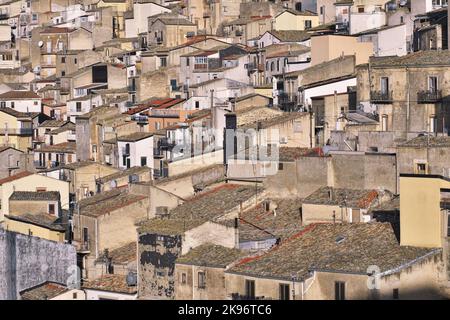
point(37, 225)
point(328, 47)
point(119, 8)
point(295, 20)
point(424, 210)
point(15, 129)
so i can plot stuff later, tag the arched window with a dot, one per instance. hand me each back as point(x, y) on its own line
point(272, 66)
point(267, 65)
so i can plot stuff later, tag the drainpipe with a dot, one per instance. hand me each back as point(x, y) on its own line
point(408, 99)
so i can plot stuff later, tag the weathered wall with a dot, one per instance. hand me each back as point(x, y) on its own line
point(28, 261)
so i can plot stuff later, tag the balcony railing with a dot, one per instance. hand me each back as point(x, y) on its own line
point(38, 164)
point(429, 96)
point(132, 88)
point(18, 131)
point(140, 119)
point(238, 296)
point(157, 153)
point(381, 96)
point(166, 144)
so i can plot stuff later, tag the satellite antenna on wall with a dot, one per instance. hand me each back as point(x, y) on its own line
point(40, 44)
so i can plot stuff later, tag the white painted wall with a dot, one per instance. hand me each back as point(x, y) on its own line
point(22, 105)
point(339, 87)
point(138, 149)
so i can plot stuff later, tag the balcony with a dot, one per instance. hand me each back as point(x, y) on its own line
point(4, 16)
point(287, 102)
point(157, 153)
point(39, 164)
point(132, 88)
point(381, 97)
point(140, 119)
point(238, 296)
point(166, 144)
point(159, 174)
point(429, 96)
point(19, 131)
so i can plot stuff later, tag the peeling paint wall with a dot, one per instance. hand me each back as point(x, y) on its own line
point(27, 261)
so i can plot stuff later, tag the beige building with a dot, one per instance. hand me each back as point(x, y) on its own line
point(295, 20)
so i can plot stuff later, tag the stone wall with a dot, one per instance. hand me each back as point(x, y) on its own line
point(27, 261)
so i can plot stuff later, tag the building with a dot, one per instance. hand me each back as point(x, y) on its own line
point(21, 101)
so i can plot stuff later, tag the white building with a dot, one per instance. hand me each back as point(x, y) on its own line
point(136, 21)
point(21, 101)
point(135, 149)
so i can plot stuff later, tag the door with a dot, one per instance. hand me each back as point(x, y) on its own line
point(128, 163)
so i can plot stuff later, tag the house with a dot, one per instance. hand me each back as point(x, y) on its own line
point(427, 109)
point(284, 36)
point(123, 178)
point(18, 129)
point(329, 47)
point(328, 204)
point(27, 181)
point(41, 225)
point(203, 218)
point(51, 156)
point(169, 30)
point(50, 290)
point(119, 261)
point(335, 262)
point(387, 40)
point(12, 161)
point(136, 19)
point(106, 221)
point(203, 267)
point(135, 149)
point(81, 175)
point(33, 202)
point(110, 287)
point(21, 101)
point(295, 20)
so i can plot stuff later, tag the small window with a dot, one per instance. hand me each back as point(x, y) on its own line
point(63, 59)
point(51, 209)
point(284, 291)
point(395, 294)
point(308, 24)
point(250, 289)
point(143, 161)
point(280, 166)
point(183, 278)
point(12, 104)
point(421, 168)
point(75, 61)
point(41, 189)
point(197, 104)
point(78, 106)
point(74, 295)
point(433, 84)
point(201, 280)
point(360, 9)
point(339, 290)
point(163, 62)
point(63, 73)
point(35, 102)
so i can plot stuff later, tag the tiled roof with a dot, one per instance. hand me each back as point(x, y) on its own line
point(44, 291)
point(35, 196)
point(419, 58)
point(52, 123)
point(251, 116)
point(106, 202)
point(176, 21)
point(430, 141)
point(352, 198)
point(15, 177)
point(291, 35)
point(69, 147)
point(18, 114)
point(280, 222)
point(292, 154)
point(136, 136)
point(207, 206)
point(56, 30)
point(43, 220)
point(274, 120)
point(111, 283)
point(124, 254)
point(211, 255)
point(346, 248)
point(123, 173)
point(69, 126)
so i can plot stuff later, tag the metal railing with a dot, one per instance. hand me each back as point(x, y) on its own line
point(429, 96)
point(18, 131)
point(381, 96)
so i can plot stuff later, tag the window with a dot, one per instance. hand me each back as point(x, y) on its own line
point(187, 61)
point(384, 122)
point(63, 73)
point(143, 161)
point(197, 104)
point(85, 235)
point(41, 189)
point(284, 291)
point(75, 61)
point(12, 104)
point(173, 84)
point(74, 296)
point(384, 85)
point(280, 165)
point(339, 290)
point(321, 10)
point(78, 106)
point(63, 59)
point(361, 9)
point(421, 168)
point(250, 289)
point(201, 280)
point(3, 104)
point(124, 160)
point(433, 121)
point(448, 225)
point(35, 102)
point(308, 24)
point(395, 294)
point(433, 84)
point(163, 62)
point(402, 20)
point(183, 278)
point(51, 209)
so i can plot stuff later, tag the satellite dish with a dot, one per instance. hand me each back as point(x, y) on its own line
point(131, 279)
point(40, 44)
